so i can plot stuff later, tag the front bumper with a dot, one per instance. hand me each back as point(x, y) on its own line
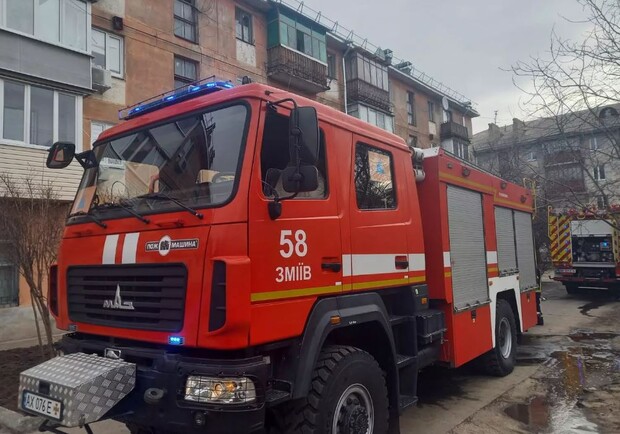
point(166, 369)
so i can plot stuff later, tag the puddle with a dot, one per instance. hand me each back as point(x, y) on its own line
point(577, 368)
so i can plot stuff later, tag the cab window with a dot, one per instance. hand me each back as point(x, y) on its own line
point(374, 178)
point(275, 157)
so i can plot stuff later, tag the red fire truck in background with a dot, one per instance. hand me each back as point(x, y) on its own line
point(584, 247)
point(244, 257)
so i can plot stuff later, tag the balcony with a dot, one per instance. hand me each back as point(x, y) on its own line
point(296, 70)
point(564, 187)
point(452, 129)
point(564, 157)
point(358, 91)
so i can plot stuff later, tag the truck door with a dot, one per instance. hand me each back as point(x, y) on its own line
point(379, 218)
point(298, 255)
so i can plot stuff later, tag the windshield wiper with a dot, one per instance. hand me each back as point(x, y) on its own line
point(163, 196)
point(92, 217)
point(127, 208)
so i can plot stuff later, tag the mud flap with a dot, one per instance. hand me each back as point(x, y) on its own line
point(75, 389)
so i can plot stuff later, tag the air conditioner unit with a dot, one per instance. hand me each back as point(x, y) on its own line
point(102, 79)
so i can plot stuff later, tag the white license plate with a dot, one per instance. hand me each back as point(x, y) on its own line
point(42, 405)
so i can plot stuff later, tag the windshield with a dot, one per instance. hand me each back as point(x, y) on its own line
point(194, 159)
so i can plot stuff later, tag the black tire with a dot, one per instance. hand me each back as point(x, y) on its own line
point(571, 288)
point(500, 361)
point(338, 370)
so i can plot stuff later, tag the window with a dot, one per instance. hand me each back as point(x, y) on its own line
point(297, 32)
point(599, 172)
point(374, 178)
point(412, 141)
point(460, 149)
point(244, 26)
point(96, 128)
point(37, 115)
point(331, 66)
point(185, 20)
point(370, 71)
point(9, 277)
point(58, 21)
point(602, 202)
point(185, 71)
point(411, 108)
point(275, 157)
point(107, 50)
point(431, 112)
point(373, 117)
point(593, 143)
point(530, 156)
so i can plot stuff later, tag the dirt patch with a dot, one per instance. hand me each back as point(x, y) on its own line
point(12, 363)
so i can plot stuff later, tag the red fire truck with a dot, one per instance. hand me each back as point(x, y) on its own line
point(242, 257)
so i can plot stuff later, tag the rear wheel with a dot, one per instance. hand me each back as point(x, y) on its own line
point(500, 361)
point(347, 396)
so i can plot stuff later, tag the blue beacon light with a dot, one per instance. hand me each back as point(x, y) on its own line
point(176, 340)
point(174, 96)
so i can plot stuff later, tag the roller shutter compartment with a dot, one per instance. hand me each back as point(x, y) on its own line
point(467, 249)
point(505, 236)
point(525, 250)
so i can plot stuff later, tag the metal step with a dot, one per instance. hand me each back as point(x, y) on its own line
point(398, 319)
point(406, 401)
point(274, 397)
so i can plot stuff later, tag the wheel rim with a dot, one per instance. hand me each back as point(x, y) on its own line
point(505, 338)
point(354, 413)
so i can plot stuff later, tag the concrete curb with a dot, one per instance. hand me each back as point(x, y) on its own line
point(18, 423)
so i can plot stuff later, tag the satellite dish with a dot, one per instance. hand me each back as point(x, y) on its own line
point(444, 103)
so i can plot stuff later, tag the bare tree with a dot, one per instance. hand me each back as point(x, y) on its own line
point(575, 88)
point(33, 217)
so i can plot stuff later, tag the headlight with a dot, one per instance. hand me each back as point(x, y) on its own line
point(215, 390)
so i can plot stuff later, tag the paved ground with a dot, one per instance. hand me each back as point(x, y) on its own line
point(459, 401)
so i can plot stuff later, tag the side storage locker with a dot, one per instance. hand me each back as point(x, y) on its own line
point(526, 262)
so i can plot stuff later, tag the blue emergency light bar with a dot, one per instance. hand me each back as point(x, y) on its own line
point(203, 87)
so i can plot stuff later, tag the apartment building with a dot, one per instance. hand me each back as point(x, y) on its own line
point(68, 66)
point(573, 157)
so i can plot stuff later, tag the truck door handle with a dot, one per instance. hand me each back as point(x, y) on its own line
point(401, 262)
point(331, 266)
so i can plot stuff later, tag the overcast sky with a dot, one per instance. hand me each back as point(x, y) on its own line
point(464, 44)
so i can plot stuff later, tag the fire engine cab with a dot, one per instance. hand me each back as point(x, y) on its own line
point(239, 258)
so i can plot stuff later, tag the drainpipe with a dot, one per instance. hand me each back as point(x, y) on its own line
point(344, 75)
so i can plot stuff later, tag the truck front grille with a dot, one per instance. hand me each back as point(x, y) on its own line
point(144, 297)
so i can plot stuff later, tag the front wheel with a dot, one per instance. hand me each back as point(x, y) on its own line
point(500, 361)
point(571, 288)
point(348, 396)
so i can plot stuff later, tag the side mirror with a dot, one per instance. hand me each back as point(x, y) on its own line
point(60, 155)
point(304, 135)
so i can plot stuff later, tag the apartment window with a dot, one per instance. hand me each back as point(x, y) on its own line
point(244, 26)
point(412, 141)
point(374, 178)
point(185, 71)
point(411, 108)
point(107, 50)
point(431, 112)
point(185, 21)
point(373, 117)
point(296, 32)
point(331, 66)
point(59, 21)
point(370, 71)
point(602, 202)
point(593, 141)
point(9, 277)
point(460, 149)
point(37, 115)
point(530, 156)
point(599, 172)
point(96, 128)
